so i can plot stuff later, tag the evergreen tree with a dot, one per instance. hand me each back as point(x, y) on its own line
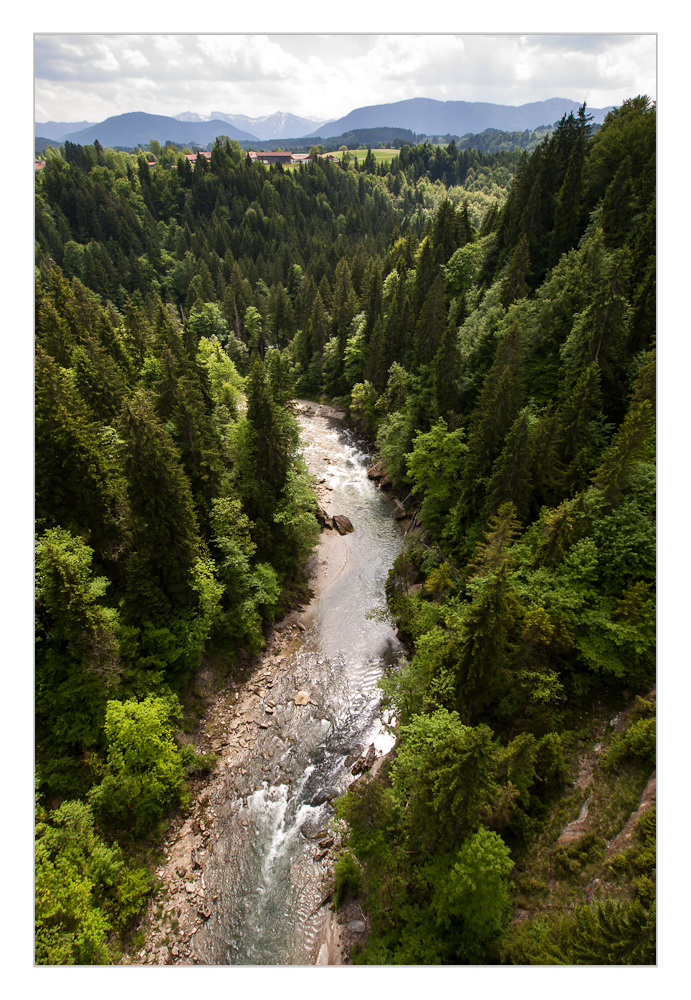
point(164, 524)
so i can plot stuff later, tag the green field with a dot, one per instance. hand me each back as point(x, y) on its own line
point(378, 154)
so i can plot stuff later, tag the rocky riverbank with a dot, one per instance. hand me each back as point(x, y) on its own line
point(235, 712)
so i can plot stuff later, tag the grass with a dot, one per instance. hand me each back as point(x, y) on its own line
point(378, 154)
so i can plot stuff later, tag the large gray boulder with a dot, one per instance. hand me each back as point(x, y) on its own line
point(342, 524)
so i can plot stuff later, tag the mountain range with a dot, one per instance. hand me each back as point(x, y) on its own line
point(137, 128)
point(420, 115)
point(428, 117)
point(280, 125)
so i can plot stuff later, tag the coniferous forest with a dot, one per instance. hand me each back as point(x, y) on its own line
point(487, 320)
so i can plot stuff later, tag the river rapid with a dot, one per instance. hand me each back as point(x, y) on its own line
point(268, 819)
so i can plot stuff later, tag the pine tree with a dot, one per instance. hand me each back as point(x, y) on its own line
point(495, 411)
point(164, 524)
point(579, 433)
point(516, 283)
point(511, 478)
point(430, 325)
point(76, 487)
point(486, 645)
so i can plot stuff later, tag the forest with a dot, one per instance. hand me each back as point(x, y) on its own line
point(487, 320)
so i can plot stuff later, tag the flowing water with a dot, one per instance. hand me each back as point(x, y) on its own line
point(263, 868)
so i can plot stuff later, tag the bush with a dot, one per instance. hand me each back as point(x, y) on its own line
point(636, 741)
point(572, 859)
point(84, 889)
point(144, 771)
point(347, 877)
point(196, 764)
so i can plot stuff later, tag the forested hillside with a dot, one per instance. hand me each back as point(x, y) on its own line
point(488, 321)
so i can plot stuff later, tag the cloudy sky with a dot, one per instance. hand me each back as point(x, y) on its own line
point(93, 76)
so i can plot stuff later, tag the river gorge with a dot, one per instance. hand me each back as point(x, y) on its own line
point(247, 875)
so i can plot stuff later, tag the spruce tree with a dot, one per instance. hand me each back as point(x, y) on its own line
point(164, 525)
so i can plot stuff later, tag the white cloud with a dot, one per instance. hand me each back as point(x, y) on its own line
point(95, 76)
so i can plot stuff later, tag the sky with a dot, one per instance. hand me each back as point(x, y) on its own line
point(89, 77)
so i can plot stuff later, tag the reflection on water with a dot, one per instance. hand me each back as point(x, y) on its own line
point(263, 869)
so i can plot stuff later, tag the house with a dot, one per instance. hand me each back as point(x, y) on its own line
point(283, 157)
point(267, 157)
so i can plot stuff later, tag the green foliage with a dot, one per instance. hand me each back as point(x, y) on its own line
point(347, 875)
point(144, 766)
point(608, 933)
point(637, 740)
point(445, 774)
point(435, 465)
point(84, 889)
point(475, 895)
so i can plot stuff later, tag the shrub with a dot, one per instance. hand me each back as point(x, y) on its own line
point(636, 741)
point(347, 877)
point(144, 771)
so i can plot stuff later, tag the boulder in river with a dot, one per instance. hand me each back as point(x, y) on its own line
point(302, 698)
point(365, 761)
point(342, 524)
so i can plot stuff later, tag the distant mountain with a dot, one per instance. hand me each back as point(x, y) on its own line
point(420, 115)
point(280, 125)
point(192, 116)
point(58, 130)
point(137, 128)
point(428, 117)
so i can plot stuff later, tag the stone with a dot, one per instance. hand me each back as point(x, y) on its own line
point(323, 518)
point(342, 524)
point(357, 926)
point(302, 698)
point(365, 761)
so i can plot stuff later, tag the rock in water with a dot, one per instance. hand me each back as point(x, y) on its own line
point(342, 524)
point(364, 761)
point(302, 698)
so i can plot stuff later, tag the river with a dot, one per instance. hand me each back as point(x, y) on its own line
point(261, 868)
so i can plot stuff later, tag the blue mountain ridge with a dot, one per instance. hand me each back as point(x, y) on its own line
point(422, 115)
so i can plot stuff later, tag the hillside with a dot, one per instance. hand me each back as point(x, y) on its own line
point(137, 128)
point(58, 130)
point(428, 117)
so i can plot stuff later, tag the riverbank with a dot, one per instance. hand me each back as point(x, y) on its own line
point(235, 713)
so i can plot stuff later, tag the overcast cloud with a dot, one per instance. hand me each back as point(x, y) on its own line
point(91, 77)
